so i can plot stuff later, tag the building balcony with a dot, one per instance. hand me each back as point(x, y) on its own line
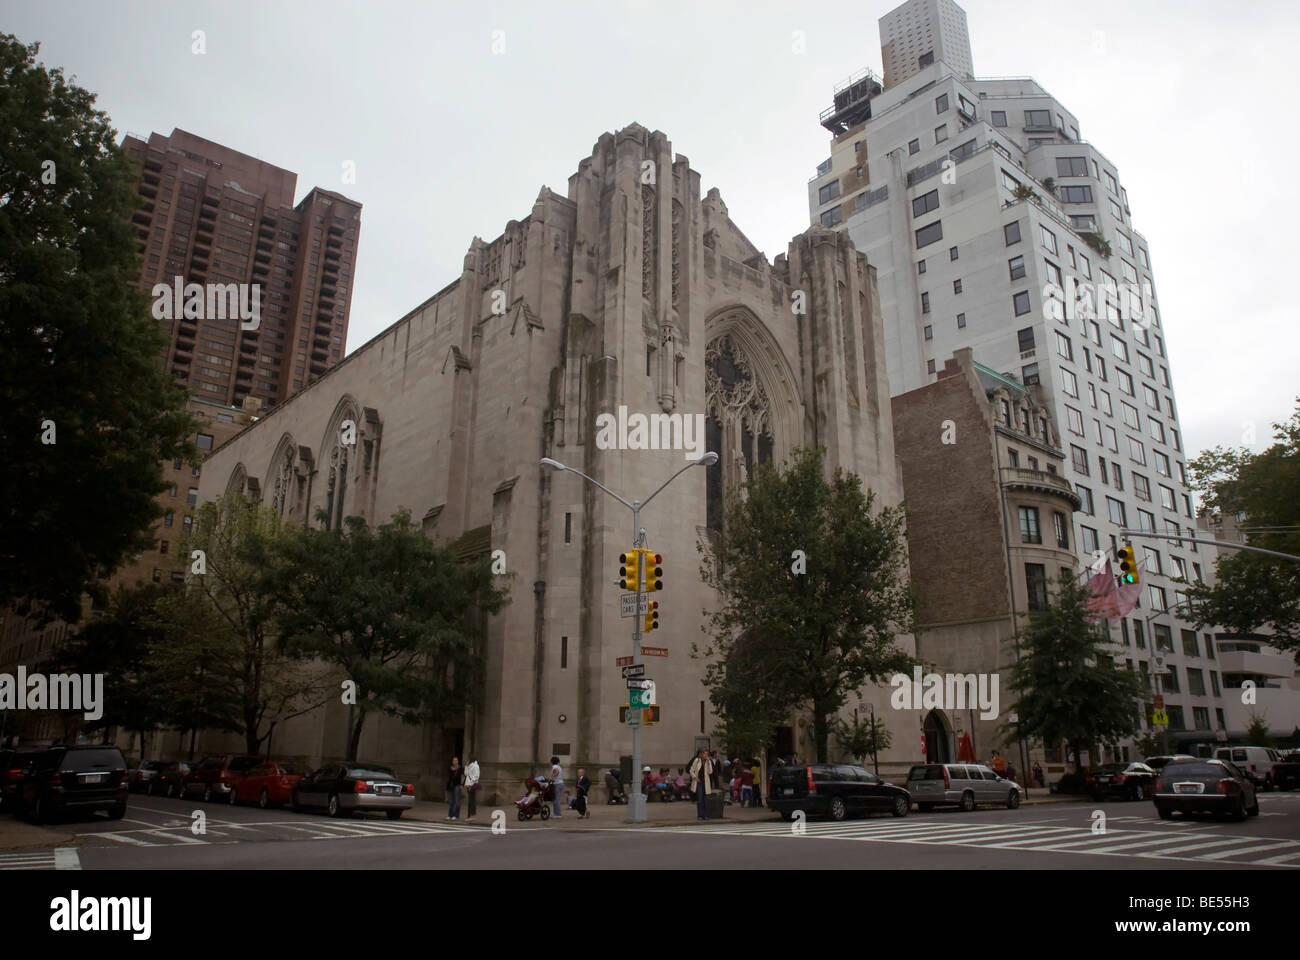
point(1278, 706)
point(1263, 664)
point(1040, 481)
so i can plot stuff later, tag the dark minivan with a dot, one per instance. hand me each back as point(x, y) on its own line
point(835, 790)
point(66, 779)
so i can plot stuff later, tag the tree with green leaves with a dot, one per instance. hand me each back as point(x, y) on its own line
point(229, 654)
point(811, 591)
point(863, 737)
point(89, 412)
point(1257, 732)
point(1066, 683)
point(1253, 590)
point(396, 613)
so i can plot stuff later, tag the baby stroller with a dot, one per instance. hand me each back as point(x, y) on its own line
point(537, 801)
point(614, 787)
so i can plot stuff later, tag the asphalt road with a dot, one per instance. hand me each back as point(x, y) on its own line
point(157, 834)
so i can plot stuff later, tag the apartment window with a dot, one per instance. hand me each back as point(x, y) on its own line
point(564, 653)
point(1167, 499)
point(925, 203)
point(1017, 267)
point(1085, 266)
point(929, 366)
point(1029, 530)
point(1155, 430)
point(1062, 530)
point(913, 146)
point(1029, 374)
point(1116, 511)
point(941, 133)
point(568, 528)
point(923, 61)
point(952, 253)
point(1006, 413)
point(1180, 567)
point(1152, 560)
point(1079, 460)
point(1140, 638)
point(1189, 645)
point(1011, 232)
point(1020, 302)
point(1047, 238)
point(961, 321)
point(829, 192)
point(920, 267)
point(1025, 338)
point(205, 441)
point(1038, 118)
point(1036, 582)
point(1094, 333)
point(157, 575)
point(999, 118)
point(1116, 212)
point(1124, 380)
point(193, 496)
point(1009, 182)
point(1085, 495)
point(1071, 167)
point(1119, 348)
point(1080, 194)
point(1069, 383)
point(187, 521)
point(832, 216)
point(1146, 521)
point(1162, 463)
point(925, 303)
point(1118, 476)
point(1136, 451)
point(929, 332)
point(1102, 471)
point(162, 546)
point(1089, 540)
point(1151, 397)
point(1141, 487)
point(956, 286)
point(940, 103)
point(1092, 390)
point(172, 492)
point(1083, 222)
point(1112, 438)
point(931, 233)
point(1074, 420)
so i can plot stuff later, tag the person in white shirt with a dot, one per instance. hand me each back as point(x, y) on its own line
point(472, 785)
point(557, 778)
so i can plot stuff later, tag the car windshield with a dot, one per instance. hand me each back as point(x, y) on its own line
point(1187, 768)
point(93, 759)
point(244, 763)
point(371, 773)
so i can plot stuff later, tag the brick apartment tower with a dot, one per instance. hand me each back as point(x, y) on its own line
point(214, 215)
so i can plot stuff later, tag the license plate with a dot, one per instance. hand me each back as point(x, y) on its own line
point(93, 777)
point(386, 789)
point(1188, 787)
point(788, 791)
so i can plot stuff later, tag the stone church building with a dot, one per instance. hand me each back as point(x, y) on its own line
point(634, 291)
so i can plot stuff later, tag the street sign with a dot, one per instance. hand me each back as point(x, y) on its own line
point(654, 651)
point(1160, 701)
point(637, 699)
point(631, 672)
point(640, 684)
point(627, 605)
point(1160, 718)
point(634, 717)
point(624, 661)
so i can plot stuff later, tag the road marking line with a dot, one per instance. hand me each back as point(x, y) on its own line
point(122, 838)
point(1197, 846)
point(65, 858)
point(1279, 860)
point(1236, 853)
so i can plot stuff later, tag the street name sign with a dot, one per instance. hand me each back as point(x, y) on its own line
point(654, 651)
point(640, 684)
point(624, 661)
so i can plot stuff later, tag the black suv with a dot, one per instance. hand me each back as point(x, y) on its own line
point(64, 779)
point(836, 790)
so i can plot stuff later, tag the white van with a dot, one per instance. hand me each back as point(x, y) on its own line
point(1255, 762)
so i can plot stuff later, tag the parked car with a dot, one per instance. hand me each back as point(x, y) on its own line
point(168, 781)
point(1130, 781)
point(1257, 762)
point(142, 776)
point(960, 784)
point(214, 776)
point(269, 783)
point(1286, 772)
point(1217, 786)
point(344, 787)
point(67, 779)
point(834, 790)
point(15, 765)
point(1158, 763)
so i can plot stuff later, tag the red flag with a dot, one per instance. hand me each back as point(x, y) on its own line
point(1105, 601)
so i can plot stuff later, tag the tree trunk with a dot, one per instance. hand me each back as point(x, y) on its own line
point(821, 732)
point(354, 736)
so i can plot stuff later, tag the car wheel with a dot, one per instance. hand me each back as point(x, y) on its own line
point(787, 815)
point(1164, 812)
point(902, 806)
point(117, 811)
point(263, 799)
point(1239, 810)
point(968, 801)
point(1253, 811)
point(207, 793)
point(232, 797)
point(838, 810)
point(520, 812)
point(394, 814)
point(333, 806)
point(1013, 799)
point(925, 807)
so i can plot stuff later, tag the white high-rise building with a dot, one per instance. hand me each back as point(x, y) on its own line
point(994, 225)
point(919, 33)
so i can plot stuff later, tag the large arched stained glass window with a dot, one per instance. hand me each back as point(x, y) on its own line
point(739, 422)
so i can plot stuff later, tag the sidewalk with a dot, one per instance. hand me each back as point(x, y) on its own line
point(676, 813)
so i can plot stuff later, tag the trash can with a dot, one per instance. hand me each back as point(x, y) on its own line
point(714, 805)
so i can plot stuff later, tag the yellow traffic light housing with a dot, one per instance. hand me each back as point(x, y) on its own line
point(1128, 568)
point(654, 571)
point(627, 572)
point(650, 715)
point(652, 617)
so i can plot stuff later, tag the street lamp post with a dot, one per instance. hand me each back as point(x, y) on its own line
point(636, 799)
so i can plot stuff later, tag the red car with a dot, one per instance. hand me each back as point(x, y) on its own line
point(270, 783)
point(215, 776)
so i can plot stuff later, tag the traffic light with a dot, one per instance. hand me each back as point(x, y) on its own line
point(650, 715)
point(652, 617)
point(654, 571)
point(1128, 568)
point(627, 575)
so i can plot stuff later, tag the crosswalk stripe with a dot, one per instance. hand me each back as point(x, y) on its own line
point(1222, 854)
point(123, 838)
point(1197, 846)
point(1282, 859)
point(1101, 846)
point(65, 858)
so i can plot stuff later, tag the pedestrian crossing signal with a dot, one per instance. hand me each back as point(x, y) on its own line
point(649, 715)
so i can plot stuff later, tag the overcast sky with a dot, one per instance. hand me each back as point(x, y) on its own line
point(1194, 101)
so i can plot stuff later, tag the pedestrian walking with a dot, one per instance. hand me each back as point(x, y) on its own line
point(557, 778)
point(580, 802)
point(1038, 773)
point(757, 773)
point(472, 785)
point(701, 782)
point(454, 775)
